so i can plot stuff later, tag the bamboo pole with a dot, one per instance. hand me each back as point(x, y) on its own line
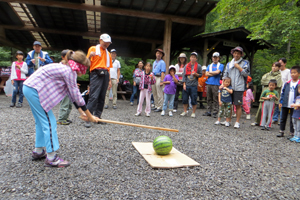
point(138, 125)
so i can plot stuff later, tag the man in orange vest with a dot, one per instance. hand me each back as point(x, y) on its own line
point(101, 63)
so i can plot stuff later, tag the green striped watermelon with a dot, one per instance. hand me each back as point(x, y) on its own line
point(162, 145)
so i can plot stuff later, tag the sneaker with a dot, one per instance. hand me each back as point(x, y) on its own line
point(223, 123)
point(297, 140)
point(254, 124)
point(63, 122)
point(158, 110)
point(170, 114)
point(207, 114)
point(233, 116)
point(88, 125)
point(263, 128)
point(131, 103)
point(281, 134)
point(19, 105)
point(174, 111)
point(267, 128)
point(39, 156)
point(227, 124)
point(12, 105)
point(237, 125)
point(147, 114)
point(217, 123)
point(106, 106)
point(70, 121)
point(162, 113)
point(293, 138)
point(275, 122)
point(248, 116)
point(114, 107)
point(183, 114)
point(137, 114)
point(56, 162)
point(193, 115)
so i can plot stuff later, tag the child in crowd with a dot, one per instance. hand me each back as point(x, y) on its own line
point(201, 86)
point(170, 82)
point(288, 95)
point(19, 70)
point(65, 107)
point(145, 88)
point(249, 98)
point(85, 95)
point(269, 96)
point(296, 117)
point(192, 71)
point(139, 68)
point(225, 101)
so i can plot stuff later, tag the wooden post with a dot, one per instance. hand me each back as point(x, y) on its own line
point(167, 43)
point(205, 52)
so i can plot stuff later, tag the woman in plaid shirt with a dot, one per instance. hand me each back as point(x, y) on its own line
point(44, 89)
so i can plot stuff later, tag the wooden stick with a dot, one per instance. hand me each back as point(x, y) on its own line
point(138, 125)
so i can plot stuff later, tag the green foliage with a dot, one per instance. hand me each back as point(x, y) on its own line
point(5, 56)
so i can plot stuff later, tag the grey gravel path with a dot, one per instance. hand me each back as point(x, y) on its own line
point(235, 164)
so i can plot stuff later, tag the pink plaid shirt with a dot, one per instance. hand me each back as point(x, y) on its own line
point(53, 82)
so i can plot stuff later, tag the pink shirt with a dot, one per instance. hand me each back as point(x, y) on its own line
point(18, 71)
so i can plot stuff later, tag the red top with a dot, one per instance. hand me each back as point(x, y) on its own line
point(18, 71)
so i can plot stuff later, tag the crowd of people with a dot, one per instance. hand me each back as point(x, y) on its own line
point(228, 90)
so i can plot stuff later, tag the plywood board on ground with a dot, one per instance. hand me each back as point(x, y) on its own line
point(174, 159)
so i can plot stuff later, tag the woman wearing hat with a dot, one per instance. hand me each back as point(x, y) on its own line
point(182, 60)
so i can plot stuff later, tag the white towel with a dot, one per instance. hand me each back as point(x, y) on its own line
point(231, 64)
point(210, 69)
point(98, 53)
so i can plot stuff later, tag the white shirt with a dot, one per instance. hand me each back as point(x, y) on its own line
point(292, 93)
point(285, 76)
point(114, 69)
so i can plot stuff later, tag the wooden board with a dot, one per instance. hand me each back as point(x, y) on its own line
point(174, 159)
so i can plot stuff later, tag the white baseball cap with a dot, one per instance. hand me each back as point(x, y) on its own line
point(105, 37)
point(216, 54)
point(203, 67)
point(172, 66)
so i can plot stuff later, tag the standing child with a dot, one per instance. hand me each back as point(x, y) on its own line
point(19, 70)
point(269, 96)
point(296, 118)
point(136, 81)
point(201, 86)
point(288, 95)
point(145, 88)
point(170, 82)
point(225, 101)
point(249, 98)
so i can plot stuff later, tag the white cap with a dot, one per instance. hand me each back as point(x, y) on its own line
point(113, 50)
point(105, 37)
point(203, 67)
point(172, 66)
point(216, 54)
point(194, 53)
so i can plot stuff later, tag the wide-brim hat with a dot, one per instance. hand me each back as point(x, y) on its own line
point(161, 51)
point(240, 49)
point(182, 55)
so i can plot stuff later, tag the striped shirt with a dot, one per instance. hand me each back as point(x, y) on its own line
point(53, 82)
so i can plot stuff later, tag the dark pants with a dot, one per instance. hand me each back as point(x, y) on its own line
point(212, 98)
point(283, 118)
point(200, 98)
point(178, 89)
point(136, 90)
point(18, 87)
point(98, 88)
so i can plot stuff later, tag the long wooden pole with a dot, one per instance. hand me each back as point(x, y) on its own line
point(138, 125)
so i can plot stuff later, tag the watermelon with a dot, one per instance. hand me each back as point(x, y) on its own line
point(162, 145)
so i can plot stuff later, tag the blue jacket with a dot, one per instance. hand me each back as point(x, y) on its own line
point(44, 55)
point(284, 97)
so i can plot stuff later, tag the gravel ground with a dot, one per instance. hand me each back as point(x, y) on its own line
point(235, 164)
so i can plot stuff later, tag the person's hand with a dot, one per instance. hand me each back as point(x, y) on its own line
point(42, 59)
point(220, 103)
point(109, 85)
point(184, 87)
point(92, 54)
point(18, 66)
point(280, 105)
point(161, 83)
point(199, 85)
point(253, 100)
point(12, 82)
point(221, 87)
point(117, 81)
point(172, 73)
point(134, 83)
point(225, 88)
point(236, 65)
point(33, 61)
